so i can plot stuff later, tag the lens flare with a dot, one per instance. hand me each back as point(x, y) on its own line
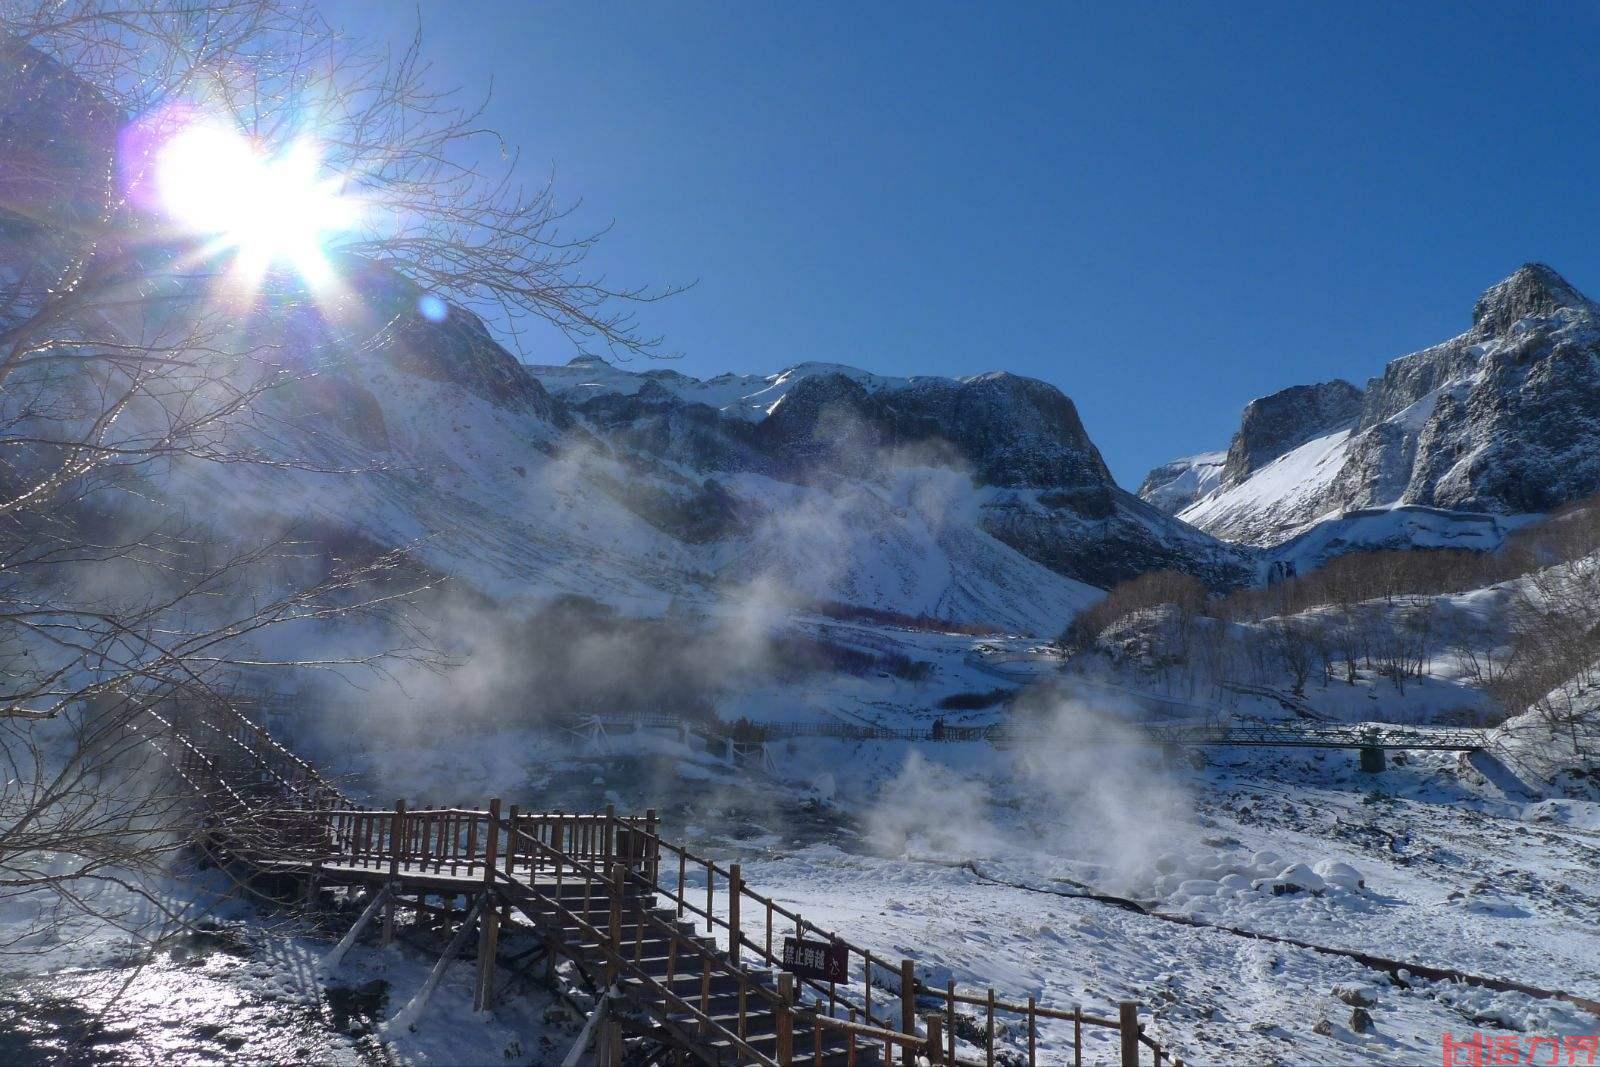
point(432, 308)
point(267, 211)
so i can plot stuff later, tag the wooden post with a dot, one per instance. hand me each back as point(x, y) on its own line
point(990, 1039)
point(613, 1041)
point(735, 885)
point(396, 837)
point(652, 847)
point(1033, 1034)
point(1128, 1026)
point(616, 922)
point(491, 842)
point(908, 1010)
point(707, 946)
point(935, 1046)
point(511, 840)
point(950, 1019)
point(785, 1019)
point(608, 833)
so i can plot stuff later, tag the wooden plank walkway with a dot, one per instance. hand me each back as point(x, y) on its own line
point(693, 958)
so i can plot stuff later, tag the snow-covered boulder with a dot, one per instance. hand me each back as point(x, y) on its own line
point(1295, 878)
point(1340, 874)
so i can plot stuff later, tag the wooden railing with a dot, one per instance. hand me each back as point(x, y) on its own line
point(754, 923)
point(622, 959)
point(534, 856)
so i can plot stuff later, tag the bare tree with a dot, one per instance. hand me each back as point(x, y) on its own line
point(135, 351)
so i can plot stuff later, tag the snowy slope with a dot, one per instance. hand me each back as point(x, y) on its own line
point(1279, 500)
point(1174, 486)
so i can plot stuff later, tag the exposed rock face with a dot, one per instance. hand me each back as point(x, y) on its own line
point(1013, 431)
point(1276, 424)
point(457, 350)
point(1503, 419)
point(1037, 482)
point(1533, 291)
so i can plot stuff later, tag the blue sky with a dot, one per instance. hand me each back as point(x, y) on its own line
point(1165, 210)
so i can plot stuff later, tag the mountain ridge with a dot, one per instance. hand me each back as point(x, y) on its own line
point(1501, 420)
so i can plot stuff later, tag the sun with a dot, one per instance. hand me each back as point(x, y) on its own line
point(269, 212)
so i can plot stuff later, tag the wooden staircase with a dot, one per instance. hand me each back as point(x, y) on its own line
point(680, 989)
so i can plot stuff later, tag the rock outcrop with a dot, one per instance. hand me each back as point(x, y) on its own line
point(1274, 425)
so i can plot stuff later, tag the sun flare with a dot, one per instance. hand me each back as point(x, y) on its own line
point(267, 211)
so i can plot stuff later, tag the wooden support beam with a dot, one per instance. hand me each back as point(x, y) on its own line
point(407, 1016)
point(387, 938)
point(332, 959)
point(397, 837)
point(488, 946)
point(652, 847)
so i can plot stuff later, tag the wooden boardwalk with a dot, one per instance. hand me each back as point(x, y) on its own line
point(685, 959)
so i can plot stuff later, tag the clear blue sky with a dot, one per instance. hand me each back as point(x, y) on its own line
point(1164, 210)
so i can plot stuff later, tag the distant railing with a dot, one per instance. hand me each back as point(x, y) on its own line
point(1004, 735)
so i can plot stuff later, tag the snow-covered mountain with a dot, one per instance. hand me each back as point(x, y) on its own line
point(1175, 485)
point(1501, 420)
point(981, 501)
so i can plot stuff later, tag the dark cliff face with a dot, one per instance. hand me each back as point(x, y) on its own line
point(1534, 290)
point(1013, 431)
point(1274, 425)
point(1039, 484)
point(1007, 430)
point(458, 350)
point(654, 422)
point(1524, 435)
point(827, 424)
point(1515, 422)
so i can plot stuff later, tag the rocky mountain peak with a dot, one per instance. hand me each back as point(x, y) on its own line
point(1534, 289)
point(1285, 420)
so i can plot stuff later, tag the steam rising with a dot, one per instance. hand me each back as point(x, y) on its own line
point(1087, 801)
